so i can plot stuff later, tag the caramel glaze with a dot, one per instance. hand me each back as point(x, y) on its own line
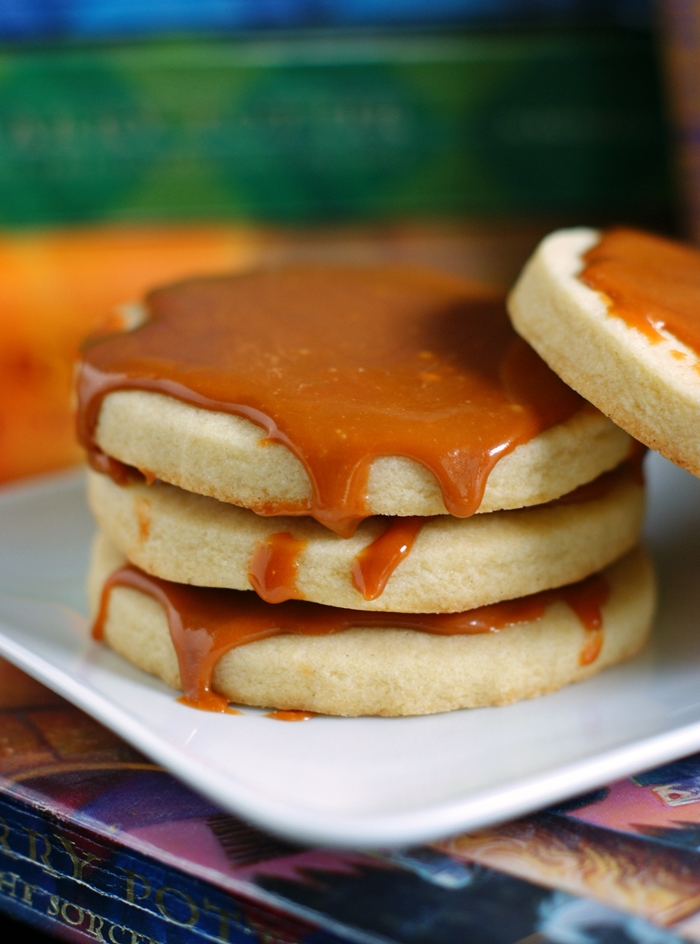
point(375, 563)
point(274, 563)
point(205, 623)
point(273, 568)
point(291, 715)
point(341, 365)
point(649, 282)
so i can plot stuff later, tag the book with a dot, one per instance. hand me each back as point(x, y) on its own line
point(634, 844)
point(32, 19)
point(97, 843)
point(304, 129)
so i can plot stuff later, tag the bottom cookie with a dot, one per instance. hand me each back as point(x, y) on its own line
point(386, 670)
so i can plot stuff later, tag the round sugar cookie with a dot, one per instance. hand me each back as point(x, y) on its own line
point(455, 563)
point(645, 379)
point(391, 671)
point(338, 392)
point(225, 456)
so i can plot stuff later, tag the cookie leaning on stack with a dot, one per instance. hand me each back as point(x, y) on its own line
point(336, 394)
point(615, 314)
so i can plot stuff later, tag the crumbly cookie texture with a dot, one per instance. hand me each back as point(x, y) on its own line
point(652, 390)
point(391, 671)
point(224, 456)
point(455, 564)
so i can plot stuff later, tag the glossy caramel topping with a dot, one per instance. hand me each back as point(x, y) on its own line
point(342, 365)
point(274, 563)
point(205, 623)
point(592, 647)
point(375, 563)
point(291, 715)
point(649, 282)
point(273, 568)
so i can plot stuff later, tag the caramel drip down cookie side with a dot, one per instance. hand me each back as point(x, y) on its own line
point(206, 623)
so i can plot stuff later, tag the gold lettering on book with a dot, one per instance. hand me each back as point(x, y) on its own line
point(64, 914)
point(165, 911)
point(111, 935)
point(96, 925)
point(224, 916)
point(169, 902)
point(28, 893)
point(4, 844)
point(8, 886)
point(33, 840)
point(132, 878)
point(33, 849)
point(8, 883)
point(138, 888)
point(78, 863)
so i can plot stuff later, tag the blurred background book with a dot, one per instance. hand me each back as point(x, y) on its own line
point(142, 142)
point(304, 128)
point(32, 19)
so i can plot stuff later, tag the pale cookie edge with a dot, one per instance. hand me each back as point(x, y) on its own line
point(223, 456)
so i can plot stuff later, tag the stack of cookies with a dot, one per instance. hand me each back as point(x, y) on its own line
point(354, 491)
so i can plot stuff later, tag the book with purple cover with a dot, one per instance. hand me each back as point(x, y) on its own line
point(97, 843)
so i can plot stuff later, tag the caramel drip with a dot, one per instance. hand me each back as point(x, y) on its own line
point(291, 715)
point(341, 365)
point(273, 568)
point(205, 623)
point(274, 563)
point(592, 647)
point(588, 610)
point(375, 563)
point(650, 282)
point(118, 471)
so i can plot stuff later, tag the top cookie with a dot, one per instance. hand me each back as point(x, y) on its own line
point(615, 314)
point(339, 392)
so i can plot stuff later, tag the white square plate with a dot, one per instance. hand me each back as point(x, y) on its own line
point(368, 781)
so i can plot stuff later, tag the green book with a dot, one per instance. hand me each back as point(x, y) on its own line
point(303, 129)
